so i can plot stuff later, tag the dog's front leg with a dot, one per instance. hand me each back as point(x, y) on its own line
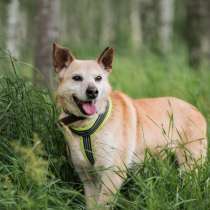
point(91, 194)
point(111, 183)
point(91, 188)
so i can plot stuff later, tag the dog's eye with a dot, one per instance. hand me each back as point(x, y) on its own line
point(77, 78)
point(98, 78)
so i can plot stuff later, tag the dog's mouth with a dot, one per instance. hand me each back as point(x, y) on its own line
point(86, 107)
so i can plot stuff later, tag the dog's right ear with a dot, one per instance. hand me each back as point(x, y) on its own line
point(62, 58)
point(106, 59)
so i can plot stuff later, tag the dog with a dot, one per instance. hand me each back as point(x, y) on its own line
point(107, 132)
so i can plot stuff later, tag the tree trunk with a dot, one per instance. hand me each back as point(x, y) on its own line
point(48, 13)
point(135, 20)
point(3, 24)
point(71, 15)
point(13, 28)
point(205, 39)
point(197, 35)
point(166, 12)
point(107, 29)
point(150, 25)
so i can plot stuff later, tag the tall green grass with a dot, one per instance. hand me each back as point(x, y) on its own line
point(34, 172)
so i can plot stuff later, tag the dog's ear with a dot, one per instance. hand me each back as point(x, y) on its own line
point(61, 57)
point(106, 59)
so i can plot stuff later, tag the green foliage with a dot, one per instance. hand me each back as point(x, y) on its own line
point(32, 150)
point(158, 184)
point(34, 173)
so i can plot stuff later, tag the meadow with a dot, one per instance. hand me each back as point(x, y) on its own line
point(34, 171)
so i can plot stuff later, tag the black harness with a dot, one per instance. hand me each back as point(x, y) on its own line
point(86, 134)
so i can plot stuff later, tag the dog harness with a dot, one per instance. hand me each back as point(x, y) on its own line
point(87, 132)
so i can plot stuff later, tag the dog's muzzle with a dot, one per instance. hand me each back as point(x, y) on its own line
point(92, 92)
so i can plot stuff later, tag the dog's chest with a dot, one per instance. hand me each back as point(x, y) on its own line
point(102, 148)
point(77, 154)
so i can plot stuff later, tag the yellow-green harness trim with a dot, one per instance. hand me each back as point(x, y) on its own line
point(87, 132)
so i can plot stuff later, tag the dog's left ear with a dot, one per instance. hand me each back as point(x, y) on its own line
point(106, 59)
point(61, 57)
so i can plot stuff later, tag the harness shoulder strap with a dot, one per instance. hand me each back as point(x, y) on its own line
point(85, 134)
point(97, 124)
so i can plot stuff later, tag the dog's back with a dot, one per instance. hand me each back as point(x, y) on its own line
point(169, 122)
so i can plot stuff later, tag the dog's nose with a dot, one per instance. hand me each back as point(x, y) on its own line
point(92, 92)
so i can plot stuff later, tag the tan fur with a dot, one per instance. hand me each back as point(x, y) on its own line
point(133, 127)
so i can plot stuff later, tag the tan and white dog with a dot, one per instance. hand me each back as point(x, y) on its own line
point(128, 128)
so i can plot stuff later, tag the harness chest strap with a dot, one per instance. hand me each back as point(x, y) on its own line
point(87, 132)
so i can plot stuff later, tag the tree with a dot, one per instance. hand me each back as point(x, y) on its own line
point(107, 28)
point(166, 16)
point(13, 23)
point(47, 28)
point(198, 28)
point(136, 26)
point(150, 25)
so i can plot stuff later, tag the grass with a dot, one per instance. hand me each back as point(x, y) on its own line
point(34, 172)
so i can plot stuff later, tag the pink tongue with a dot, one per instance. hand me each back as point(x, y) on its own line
point(89, 109)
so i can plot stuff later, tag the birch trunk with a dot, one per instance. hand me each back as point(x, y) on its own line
point(166, 8)
point(13, 28)
point(48, 13)
point(107, 28)
point(150, 26)
point(197, 35)
point(136, 27)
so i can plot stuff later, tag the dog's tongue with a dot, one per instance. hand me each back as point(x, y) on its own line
point(89, 108)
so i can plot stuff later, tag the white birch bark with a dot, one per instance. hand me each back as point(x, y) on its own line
point(107, 29)
point(166, 23)
point(13, 28)
point(136, 27)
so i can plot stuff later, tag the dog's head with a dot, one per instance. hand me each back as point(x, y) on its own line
point(83, 87)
